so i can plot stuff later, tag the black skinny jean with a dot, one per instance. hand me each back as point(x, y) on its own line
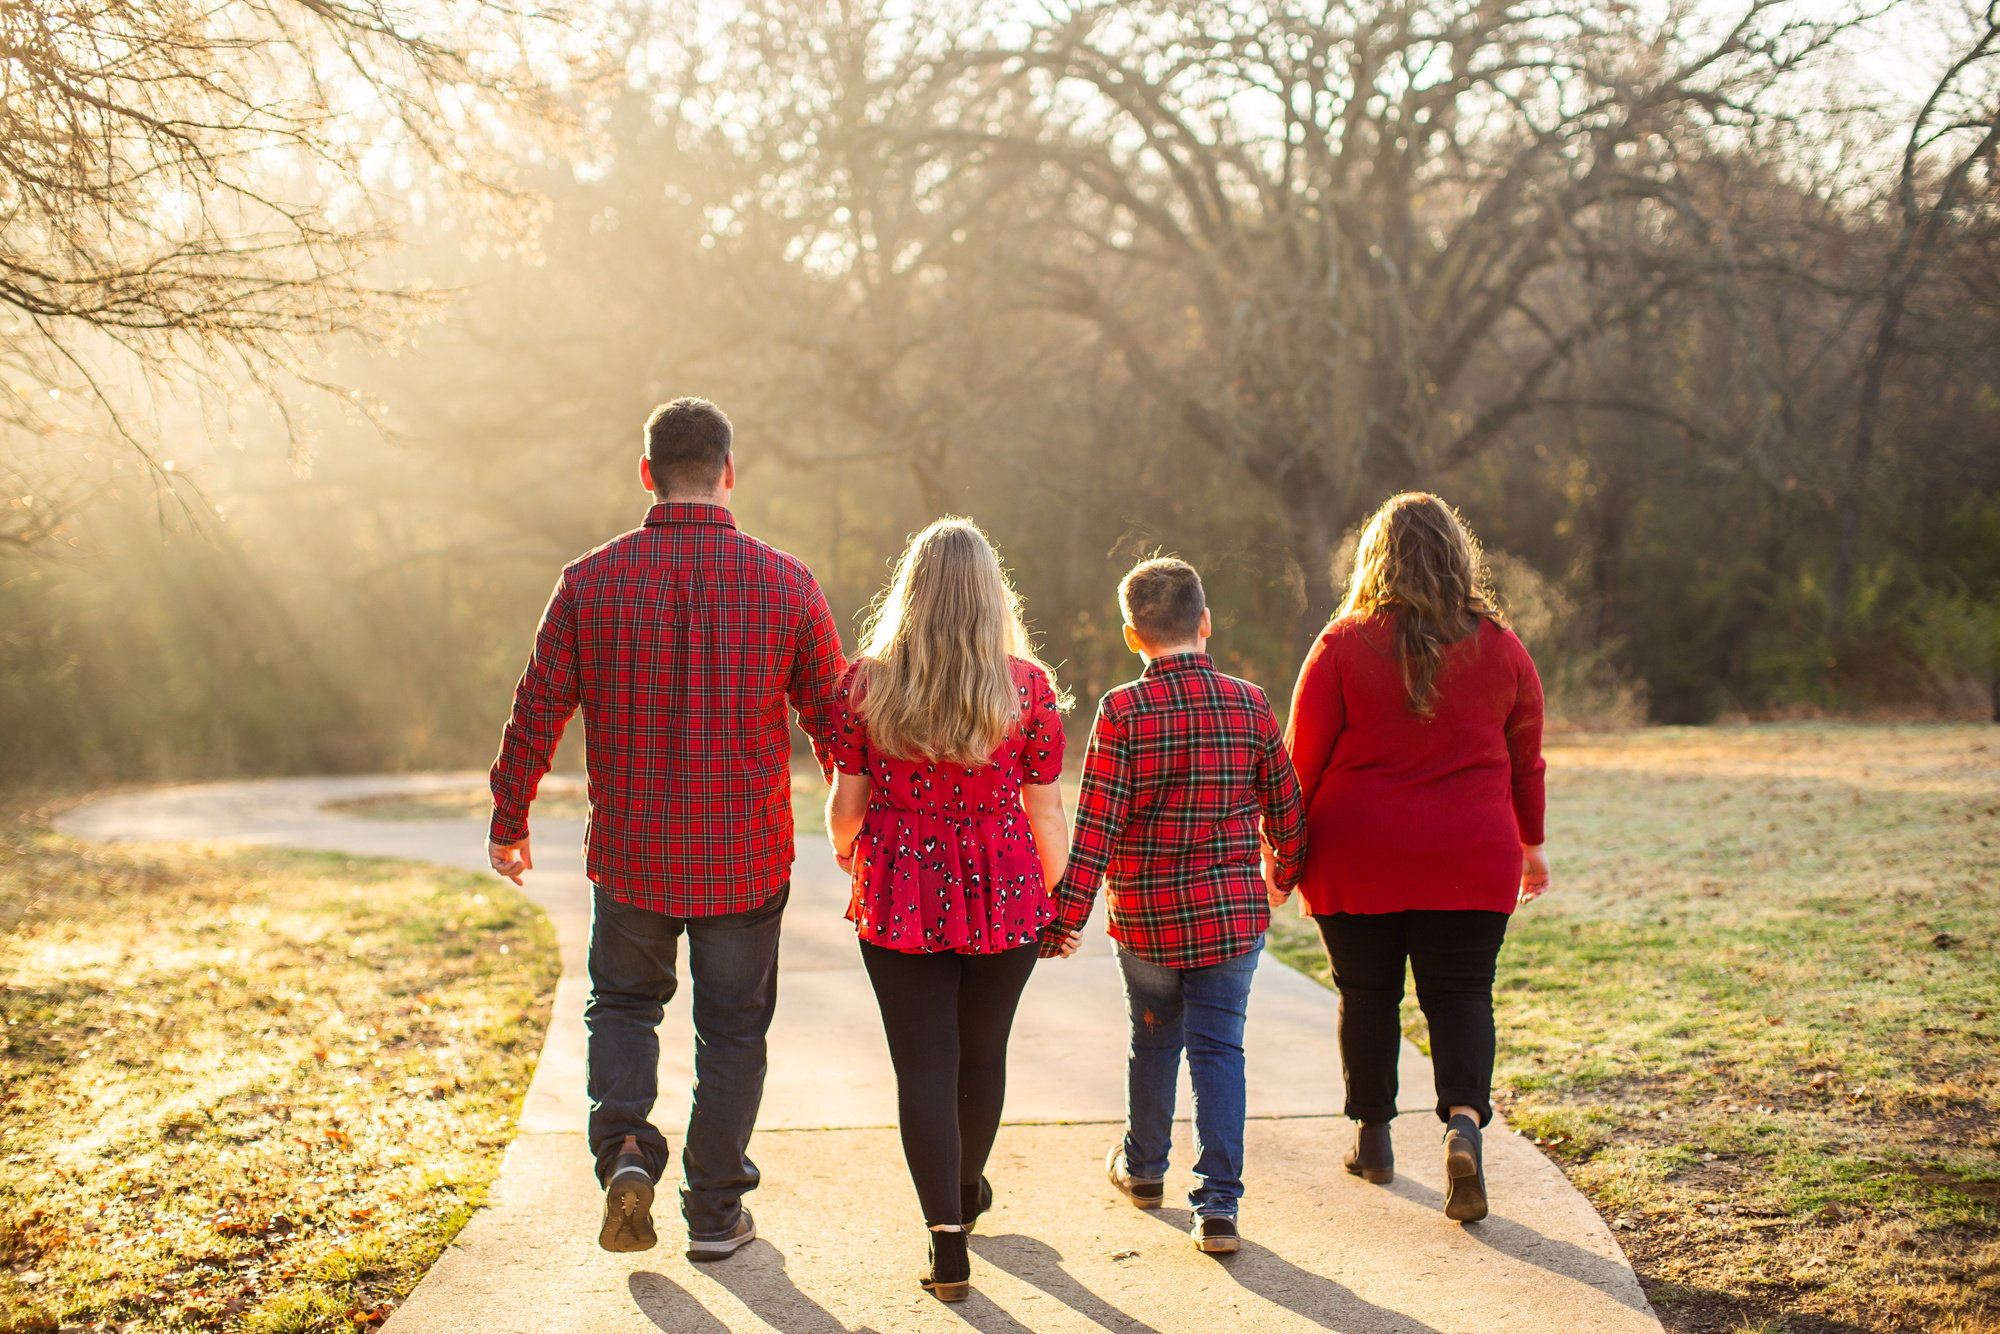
point(947, 1017)
point(1452, 956)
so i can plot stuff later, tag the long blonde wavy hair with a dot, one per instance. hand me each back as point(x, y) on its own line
point(1417, 556)
point(938, 684)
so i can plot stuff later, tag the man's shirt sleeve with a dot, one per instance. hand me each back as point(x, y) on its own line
point(1101, 811)
point(817, 668)
point(548, 693)
point(1278, 795)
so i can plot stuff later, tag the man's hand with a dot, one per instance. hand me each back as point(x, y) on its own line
point(510, 859)
point(1534, 873)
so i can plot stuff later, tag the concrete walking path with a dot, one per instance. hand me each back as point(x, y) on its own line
point(840, 1241)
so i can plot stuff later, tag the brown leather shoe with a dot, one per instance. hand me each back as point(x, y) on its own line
point(628, 1205)
point(701, 1250)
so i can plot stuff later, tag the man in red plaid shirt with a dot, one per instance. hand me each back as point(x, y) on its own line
point(683, 642)
point(1182, 764)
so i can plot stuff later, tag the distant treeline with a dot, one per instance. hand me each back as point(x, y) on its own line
point(1717, 380)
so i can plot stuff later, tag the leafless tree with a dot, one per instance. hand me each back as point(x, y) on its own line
point(192, 192)
point(1351, 245)
point(1953, 141)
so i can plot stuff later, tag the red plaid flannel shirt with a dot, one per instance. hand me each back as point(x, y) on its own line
point(682, 642)
point(1182, 762)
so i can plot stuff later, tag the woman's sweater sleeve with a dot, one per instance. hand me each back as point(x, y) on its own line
point(1524, 749)
point(1317, 717)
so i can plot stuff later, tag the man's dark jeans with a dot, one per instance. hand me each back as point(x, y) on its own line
point(1452, 956)
point(733, 963)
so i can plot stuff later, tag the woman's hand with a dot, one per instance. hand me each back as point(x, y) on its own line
point(1273, 895)
point(846, 812)
point(1534, 873)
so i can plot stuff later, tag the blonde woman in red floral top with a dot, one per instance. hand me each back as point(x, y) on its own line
point(946, 813)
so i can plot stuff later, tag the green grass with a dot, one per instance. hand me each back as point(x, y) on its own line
point(248, 1091)
point(1758, 1018)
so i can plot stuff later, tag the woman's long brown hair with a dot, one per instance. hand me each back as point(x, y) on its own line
point(1417, 557)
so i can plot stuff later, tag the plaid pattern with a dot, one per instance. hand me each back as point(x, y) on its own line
point(1181, 764)
point(682, 642)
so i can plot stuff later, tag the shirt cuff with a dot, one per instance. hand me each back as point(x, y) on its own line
point(506, 829)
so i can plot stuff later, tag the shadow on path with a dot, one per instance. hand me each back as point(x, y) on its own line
point(1041, 1264)
point(1318, 1298)
point(1511, 1239)
point(757, 1277)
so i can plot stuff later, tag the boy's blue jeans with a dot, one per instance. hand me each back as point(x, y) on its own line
point(1201, 1010)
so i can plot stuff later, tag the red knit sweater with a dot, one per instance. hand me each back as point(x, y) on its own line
point(1406, 812)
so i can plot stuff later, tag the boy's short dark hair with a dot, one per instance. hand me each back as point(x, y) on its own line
point(1162, 600)
point(687, 445)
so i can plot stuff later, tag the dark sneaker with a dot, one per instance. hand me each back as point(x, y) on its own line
point(974, 1201)
point(949, 1279)
point(1373, 1157)
point(1146, 1192)
point(628, 1206)
point(701, 1250)
point(1216, 1234)
point(1464, 1171)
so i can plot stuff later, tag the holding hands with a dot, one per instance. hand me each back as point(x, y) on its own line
point(1276, 896)
point(1057, 943)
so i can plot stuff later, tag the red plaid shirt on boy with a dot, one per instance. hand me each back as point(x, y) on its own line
point(1182, 762)
point(682, 641)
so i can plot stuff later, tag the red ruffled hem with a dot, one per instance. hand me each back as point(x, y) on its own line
point(926, 884)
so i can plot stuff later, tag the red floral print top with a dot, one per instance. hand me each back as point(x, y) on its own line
point(945, 860)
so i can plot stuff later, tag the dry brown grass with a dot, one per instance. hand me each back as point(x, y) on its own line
point(248, 1091)
point(1759, 1019)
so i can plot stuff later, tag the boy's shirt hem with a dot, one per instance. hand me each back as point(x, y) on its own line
point(1184, 766)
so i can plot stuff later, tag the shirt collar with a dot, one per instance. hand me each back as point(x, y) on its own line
point(689, 511)
point(1190, 660)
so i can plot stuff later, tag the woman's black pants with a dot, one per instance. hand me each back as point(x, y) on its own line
point(1451, 955)
point(947, 1017)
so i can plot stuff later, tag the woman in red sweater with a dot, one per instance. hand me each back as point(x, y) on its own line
point(1416, 731)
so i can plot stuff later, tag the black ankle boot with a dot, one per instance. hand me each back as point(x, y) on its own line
point(973, 1201)
point(950, 1275)
point(1464, 1171)
point(1373, 1157)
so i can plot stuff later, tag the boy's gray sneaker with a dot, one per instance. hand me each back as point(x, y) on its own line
point(703, 1249)
point(1216, 1234)
point(1146, 1192)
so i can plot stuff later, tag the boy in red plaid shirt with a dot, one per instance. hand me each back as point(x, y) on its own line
point(1183, 764)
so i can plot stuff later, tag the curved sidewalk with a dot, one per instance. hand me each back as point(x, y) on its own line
point(840, 1241)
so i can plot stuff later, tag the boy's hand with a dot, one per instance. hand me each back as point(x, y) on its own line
point(1056, 943)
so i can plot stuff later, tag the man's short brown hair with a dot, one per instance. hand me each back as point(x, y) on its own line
point(1162, 600)
point(687, 446)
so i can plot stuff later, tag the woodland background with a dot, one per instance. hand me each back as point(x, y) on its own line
point(327, 333)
